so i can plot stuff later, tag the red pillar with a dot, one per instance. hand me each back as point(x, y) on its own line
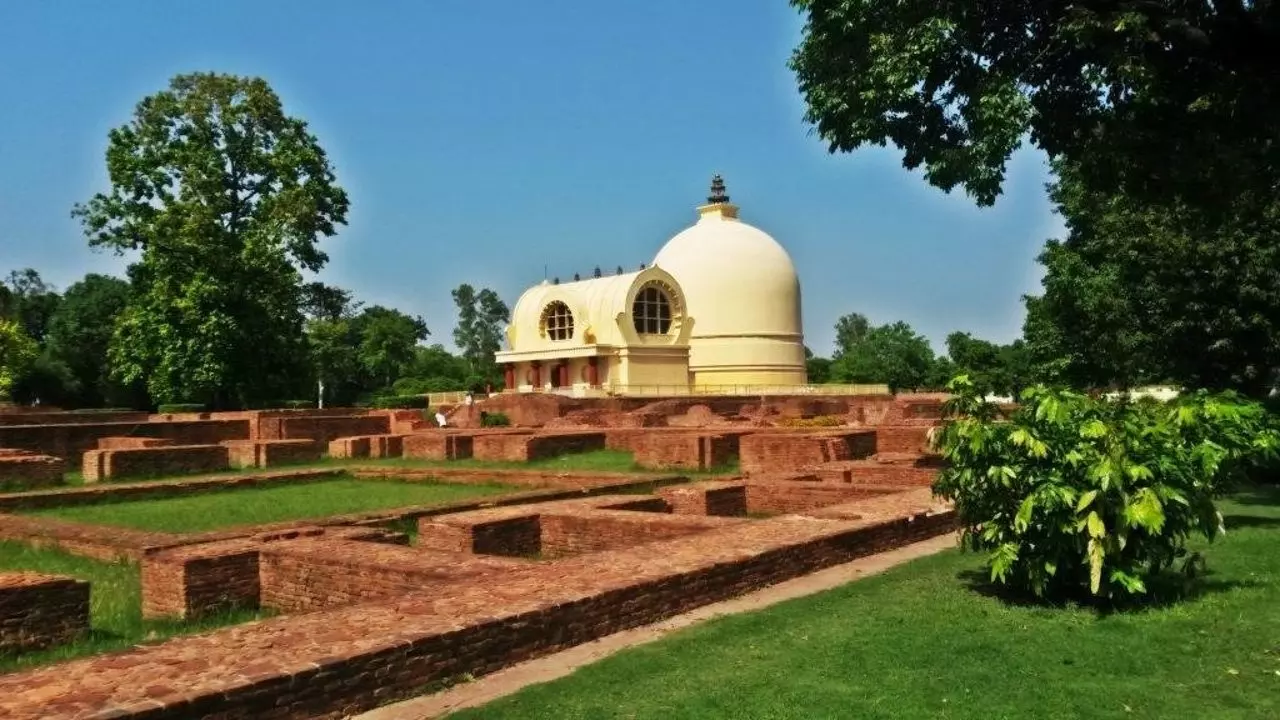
point(536, 366)
point(593, 371)
point(564, 374)
point(509, 377)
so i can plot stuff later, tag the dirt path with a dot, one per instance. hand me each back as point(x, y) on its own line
point(551, 667)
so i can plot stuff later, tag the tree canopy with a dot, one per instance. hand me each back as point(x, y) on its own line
point(892, 354)
point(17, 352)
point(225, 197)
point(1163, 99)
point(482, 318)
point(1137, 294)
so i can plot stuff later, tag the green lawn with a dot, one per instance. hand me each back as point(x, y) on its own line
point(115, 609)
point(925, 640)
point(257, 505)
point(589, 461)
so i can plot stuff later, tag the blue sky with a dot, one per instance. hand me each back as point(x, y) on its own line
point(481, 142)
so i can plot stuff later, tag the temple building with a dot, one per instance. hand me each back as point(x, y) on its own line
point(719, 306)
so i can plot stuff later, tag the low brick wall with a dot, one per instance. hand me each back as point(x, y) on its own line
point(903, 439)
point(686, 450)
point(868, 472)
point(271, 453)
point(23, 470)
point(69, 496)
point(323, 429)
point(565, 534)
point(511, 447)
point(778, 498)
point(129, 443)
point(191, 583)
point(102, 465)
point(717, 499)
point(39, 611)
point(335, 663)
point(437, 446)
point(70, 442)
point(787, 451)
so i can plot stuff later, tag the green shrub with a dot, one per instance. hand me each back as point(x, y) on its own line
point(422, 386)
point(400, 402)
point(496, 419)
point(174, 408)
point(299, 404)
point(1070, 495)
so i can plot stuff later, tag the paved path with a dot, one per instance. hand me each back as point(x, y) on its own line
point(507, 681)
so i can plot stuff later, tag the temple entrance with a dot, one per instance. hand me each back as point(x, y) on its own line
point(560, 374)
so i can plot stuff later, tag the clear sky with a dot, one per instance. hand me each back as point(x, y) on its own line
point(482, 142)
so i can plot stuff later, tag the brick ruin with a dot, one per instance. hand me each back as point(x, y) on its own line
point(366, 616)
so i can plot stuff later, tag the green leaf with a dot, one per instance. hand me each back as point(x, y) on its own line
point(1096, 527)
point(1023, 518)
point(1093, 429)
point(1096, 555)
point(1085, 500)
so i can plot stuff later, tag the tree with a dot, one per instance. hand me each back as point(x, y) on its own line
point(817, 369)
point(226, 198)
point(388, 339)
point(892, 354)
point(333, 349)
point(17, 353)
point(33, 301)
point(481, 319)
point(1137, 294)
point(325, 302)
point(80, 335)
point(850, 330)
point(1129, 89)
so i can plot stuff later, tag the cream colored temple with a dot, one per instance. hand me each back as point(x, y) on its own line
point(719, 306)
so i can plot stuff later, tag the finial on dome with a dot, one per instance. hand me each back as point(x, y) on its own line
point(717, 195)
point(718, 205)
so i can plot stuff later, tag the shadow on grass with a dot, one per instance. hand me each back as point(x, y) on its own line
point(1163, 591)
point(1258, 494)
point(1236, 522)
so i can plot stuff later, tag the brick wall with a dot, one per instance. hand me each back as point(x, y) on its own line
point(99, 465)
point(70, 442)
point(509, 447)
point(323, 429)
point(194, 582)
point(786, 451)
point(23, 470)
point(566, 534)
point(69, 417)
point(778, 498)
point(271, 453)
point(437, 446)
point(692, 450)
point(39, 611)
point(903, 439)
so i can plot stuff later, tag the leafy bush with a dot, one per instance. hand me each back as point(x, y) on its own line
point(299, 404)
point(400, 402)
point(174, 408)
point(496, 419)
point(1068, 493)
point(422, 386)
point(819, 421)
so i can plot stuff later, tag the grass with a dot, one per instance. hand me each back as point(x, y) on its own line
point(929, 639)
point(258, 505)
point(115, 609)
point(590, 461)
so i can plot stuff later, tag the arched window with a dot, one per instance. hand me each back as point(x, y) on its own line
point(651, 311)
point(557, 321)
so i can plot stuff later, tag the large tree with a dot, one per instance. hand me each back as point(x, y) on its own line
point(892, 354)
point(33, 301)
point(1163, 99)
point(851, 329)
point(225, 197)
point(1137, 294)
point(388, 340)
point(482, 317)
point(80, 334)
point(17, 353)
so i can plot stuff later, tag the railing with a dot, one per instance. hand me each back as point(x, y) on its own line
point(455, 397)
point(744, 390)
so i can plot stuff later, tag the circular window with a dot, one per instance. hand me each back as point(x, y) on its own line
point(651, 311)
point(557, 321)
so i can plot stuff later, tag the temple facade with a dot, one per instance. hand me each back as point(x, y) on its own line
point(719, 306)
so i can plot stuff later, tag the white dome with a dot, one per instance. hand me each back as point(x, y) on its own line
point(743, 294)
